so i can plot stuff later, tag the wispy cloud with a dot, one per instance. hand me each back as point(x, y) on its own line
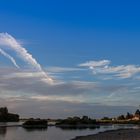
point(23, 82)
point(9, 57)
point(63, 69)
point(10, 42)
point(93, 64)
point(28, 81)
point(16, 84)
point(103, 67)
point(24, 88)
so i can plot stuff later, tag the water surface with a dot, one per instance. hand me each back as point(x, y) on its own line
point(52, 133)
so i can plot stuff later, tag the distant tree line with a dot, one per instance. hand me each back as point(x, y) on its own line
point(5, 116)
point(128, 116)
point(77, 121)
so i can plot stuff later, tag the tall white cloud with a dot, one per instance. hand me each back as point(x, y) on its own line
point(10, 42)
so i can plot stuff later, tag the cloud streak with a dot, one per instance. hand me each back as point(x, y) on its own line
point(95, 63)
point(103, 67)
point(10, 42)
point(9, 57)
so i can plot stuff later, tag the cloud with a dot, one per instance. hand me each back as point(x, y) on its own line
point(10, 42)
point(28, 107)
point(95, 63)
point(103, 67)
point(63, 69)
point(9, 57)
point(22, 89)
point(123, 71)
point(27, 81)
point(16, 82)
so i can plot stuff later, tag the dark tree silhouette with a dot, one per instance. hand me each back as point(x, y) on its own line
point(7, 117)
point(129, 116)
point(137, 113)
point(121, 117)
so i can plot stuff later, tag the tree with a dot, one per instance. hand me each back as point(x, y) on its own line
point(4, 110)
point(137, 113)
point(85, 118)
point(121, 117)
point(106, 119)
point(5, 116)
point(129, 116)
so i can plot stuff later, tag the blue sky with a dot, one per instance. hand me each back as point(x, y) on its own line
point(89, 48)
point(89, 30)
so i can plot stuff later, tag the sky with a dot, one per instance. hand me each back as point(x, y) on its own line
point(66, 58)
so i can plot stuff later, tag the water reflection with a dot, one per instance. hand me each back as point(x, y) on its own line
point(35, 129)
point(77, 127)
point(3, 131)
point(52, 133)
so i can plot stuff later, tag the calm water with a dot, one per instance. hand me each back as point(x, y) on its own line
point(52, 133)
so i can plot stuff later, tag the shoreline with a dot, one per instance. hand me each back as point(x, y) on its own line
point(120, 134)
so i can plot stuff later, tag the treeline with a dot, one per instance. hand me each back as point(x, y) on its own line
point(76, 121)
point(128, 116)
point(5, 116)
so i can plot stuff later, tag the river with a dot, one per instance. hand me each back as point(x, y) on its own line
point(52, 132)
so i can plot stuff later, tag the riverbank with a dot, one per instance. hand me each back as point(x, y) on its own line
point(122, 134)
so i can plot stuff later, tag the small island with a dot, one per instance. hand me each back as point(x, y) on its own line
point(5, 116)
point(77, 123)
point(35, 124)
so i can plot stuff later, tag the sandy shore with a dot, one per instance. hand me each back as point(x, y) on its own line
point(128, 134)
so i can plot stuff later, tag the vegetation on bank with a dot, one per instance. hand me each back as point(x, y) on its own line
point(35, 123)
point(125, 119)
point(77, 122)
point(5, 116)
